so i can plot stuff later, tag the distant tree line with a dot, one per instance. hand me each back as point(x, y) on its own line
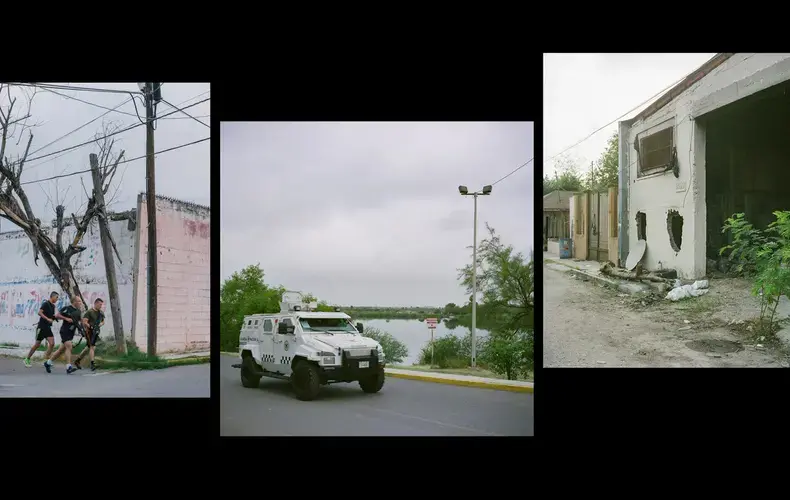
point(568, 177)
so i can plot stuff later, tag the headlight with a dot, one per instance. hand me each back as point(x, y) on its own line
point(329, 360)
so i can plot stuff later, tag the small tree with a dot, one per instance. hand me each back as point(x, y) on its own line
point(395, 351)
point(763, 255)
point(605, 171)
point(505, 279)
point(244, 293)
point(566, 177)
point(510, 353)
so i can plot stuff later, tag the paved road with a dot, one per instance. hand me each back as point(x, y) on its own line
point(192, 381)
point(402, 408)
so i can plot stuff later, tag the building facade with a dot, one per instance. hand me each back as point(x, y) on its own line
point(183, 243)
point(712, 146)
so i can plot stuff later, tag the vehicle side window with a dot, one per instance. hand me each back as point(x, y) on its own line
point(267, 326)
point(256, 322)
point(288, 322)
point(249, 322)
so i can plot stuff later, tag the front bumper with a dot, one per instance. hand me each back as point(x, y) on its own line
point(352, 369)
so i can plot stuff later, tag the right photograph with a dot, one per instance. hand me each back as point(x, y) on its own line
point(666, 210)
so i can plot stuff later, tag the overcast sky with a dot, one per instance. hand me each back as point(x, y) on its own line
point(369, 213)
point(582, 92)
point(182, 173)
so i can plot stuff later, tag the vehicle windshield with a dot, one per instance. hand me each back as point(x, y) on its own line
point(326, 325)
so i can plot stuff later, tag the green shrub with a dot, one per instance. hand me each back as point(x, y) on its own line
point(509, 354)
point(394, 350)
point(448, 352)
point(763, 255)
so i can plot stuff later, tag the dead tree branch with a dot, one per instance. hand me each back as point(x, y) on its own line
point(15, 205)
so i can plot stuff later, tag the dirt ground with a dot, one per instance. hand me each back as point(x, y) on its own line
point(587, 325)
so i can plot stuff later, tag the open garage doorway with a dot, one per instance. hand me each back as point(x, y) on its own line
point(747, 162)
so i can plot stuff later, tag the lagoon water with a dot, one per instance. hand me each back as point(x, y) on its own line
point(416, 334)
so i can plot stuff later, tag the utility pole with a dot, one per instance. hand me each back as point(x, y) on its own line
point(109, 260)
point(474, 289)
point(151, 88)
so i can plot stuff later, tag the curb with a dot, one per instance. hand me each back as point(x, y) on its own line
point(461, 382)
point(194, 360)
point(579, 272)
point(465, 383)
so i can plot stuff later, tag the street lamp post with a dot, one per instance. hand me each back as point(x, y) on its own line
point(465, 192)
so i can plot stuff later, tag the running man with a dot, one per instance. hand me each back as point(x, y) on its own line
point(94, 316)
point(46, 315)
point(68, 315)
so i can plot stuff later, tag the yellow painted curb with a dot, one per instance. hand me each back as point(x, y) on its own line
point(465, 383)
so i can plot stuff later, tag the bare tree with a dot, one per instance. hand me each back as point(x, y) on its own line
point(15, 206)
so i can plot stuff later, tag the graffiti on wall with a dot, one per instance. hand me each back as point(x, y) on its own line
point(197, 228)
point(19, 304)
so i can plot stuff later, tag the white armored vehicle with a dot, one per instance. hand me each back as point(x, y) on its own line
point(309, 349)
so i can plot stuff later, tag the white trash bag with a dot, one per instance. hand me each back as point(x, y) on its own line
point(681, 292)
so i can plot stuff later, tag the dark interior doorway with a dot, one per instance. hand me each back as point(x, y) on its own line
point(747, 162)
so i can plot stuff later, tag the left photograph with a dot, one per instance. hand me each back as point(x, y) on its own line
point(105, 268)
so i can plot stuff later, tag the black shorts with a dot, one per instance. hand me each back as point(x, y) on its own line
point(43, 332)
point(66, 335)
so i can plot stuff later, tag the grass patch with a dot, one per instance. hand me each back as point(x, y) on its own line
point(9, 345)
point(474, 372)
point(752, 330)
point(697, 307)
point(134, 359)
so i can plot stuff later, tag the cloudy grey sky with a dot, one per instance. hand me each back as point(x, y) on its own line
point(369, 213)
point(182, 173)
point(582, 92)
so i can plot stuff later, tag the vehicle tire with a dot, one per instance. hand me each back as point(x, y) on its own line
point(373, 383)
point(249, 378)
point(306, 381)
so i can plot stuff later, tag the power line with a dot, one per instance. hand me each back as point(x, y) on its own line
point(110, 134)
point(135, 114)
point(616, 119)
point(179, 109)
point(667, 89)
point(82, 126)
point(70, 87)
point(593, 133)
point(514, 171)
point(122, 161)
point(30, 167)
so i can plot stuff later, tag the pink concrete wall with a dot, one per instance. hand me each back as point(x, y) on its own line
point(184, 276)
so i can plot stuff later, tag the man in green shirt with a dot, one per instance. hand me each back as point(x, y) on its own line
point(93, 320)
point(70, 315)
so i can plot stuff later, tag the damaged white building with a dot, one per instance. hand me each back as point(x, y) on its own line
point(714, 145)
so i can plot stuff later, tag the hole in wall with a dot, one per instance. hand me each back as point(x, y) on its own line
point(675, 229)
point(641, 226)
